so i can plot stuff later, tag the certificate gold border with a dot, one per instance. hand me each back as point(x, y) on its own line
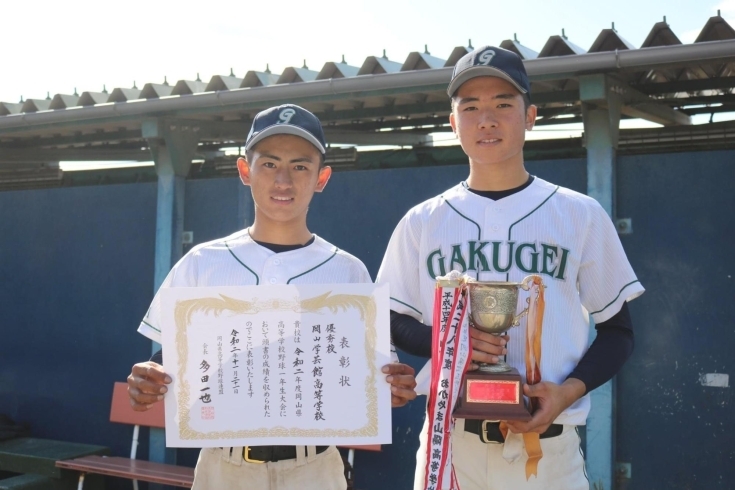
point(184, 311)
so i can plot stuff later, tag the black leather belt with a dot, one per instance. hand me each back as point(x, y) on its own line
point(489, 432)
point(266, 454)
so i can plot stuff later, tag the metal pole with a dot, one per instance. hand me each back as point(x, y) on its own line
point(601, 114)
point(173, 151)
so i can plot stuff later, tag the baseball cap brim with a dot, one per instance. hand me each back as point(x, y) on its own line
point(481, 71)
point(285, 129)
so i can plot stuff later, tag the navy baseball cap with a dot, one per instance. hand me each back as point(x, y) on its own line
point(287, 119)
point(489, 61)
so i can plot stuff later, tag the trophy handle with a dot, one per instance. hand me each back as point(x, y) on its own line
point(528, 281)
point(526, 284)
point(517, 319)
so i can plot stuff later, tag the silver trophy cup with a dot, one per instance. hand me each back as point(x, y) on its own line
point(493, 308)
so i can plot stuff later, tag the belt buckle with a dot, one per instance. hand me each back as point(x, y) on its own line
point(483, 432)
point(246, 456)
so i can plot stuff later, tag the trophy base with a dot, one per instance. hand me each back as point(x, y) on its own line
point(492, 396)
point(499, 367)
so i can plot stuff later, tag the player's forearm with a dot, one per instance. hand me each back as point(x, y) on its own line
point(410, 335)
point(608, 353)
point(605, 357)
point(573, 389)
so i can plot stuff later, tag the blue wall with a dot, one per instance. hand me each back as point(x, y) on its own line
point(675, 432)
point(76, 275)
point(211, 208)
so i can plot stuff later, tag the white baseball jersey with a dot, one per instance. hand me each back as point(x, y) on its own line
point(564, 236)
point(237, 260)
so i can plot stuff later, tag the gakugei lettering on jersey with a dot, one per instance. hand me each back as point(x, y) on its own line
point(478, 256)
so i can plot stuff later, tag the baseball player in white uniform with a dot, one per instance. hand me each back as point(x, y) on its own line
point(284, 166)
point(502, 224)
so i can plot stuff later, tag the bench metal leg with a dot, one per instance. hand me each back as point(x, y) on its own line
point(351, 461)
point(134, 450)
point(351, 457)
point(134, 445)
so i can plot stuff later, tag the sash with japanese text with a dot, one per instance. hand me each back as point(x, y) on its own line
point(450, 358)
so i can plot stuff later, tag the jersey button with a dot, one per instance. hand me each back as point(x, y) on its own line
point(273, 280)
point(277, 261)
point(495, 227)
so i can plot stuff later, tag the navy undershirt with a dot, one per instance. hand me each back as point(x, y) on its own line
point(498, 195)
point(275, 247)
point(607, 354)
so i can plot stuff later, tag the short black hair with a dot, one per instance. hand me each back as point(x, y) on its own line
point(249, 156)
point(526, 101)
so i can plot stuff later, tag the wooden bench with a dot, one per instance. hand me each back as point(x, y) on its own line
point(132, 469)
point(167, 474)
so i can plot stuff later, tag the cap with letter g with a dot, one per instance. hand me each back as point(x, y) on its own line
point(489, 61)
point(287, 119)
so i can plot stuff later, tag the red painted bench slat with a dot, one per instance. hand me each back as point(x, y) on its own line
point(122, 413)
point(179, 476)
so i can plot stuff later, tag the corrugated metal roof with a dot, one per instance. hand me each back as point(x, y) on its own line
point(219, 83)
point(7, 108)
point(337, 70)
point(559, 46)
point(375, 65)
point(609, 40)
point(35, 105)
point(660, 35)
point(188, 87)
point(259, 79)
point(297, 75)
point(422, 61)
point(383, 101)
point(156, 90)
point(124, 94)
point(61, 101)
point(524, 52)
point(93, 98)
point(460, 51)
point(715, 29)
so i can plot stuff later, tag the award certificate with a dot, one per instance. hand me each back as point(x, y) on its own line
point(277, 365)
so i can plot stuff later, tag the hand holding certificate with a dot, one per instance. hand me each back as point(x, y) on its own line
point(259, 365)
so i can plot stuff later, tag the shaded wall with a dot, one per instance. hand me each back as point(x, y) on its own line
point(673, 430)
point(76, 275)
